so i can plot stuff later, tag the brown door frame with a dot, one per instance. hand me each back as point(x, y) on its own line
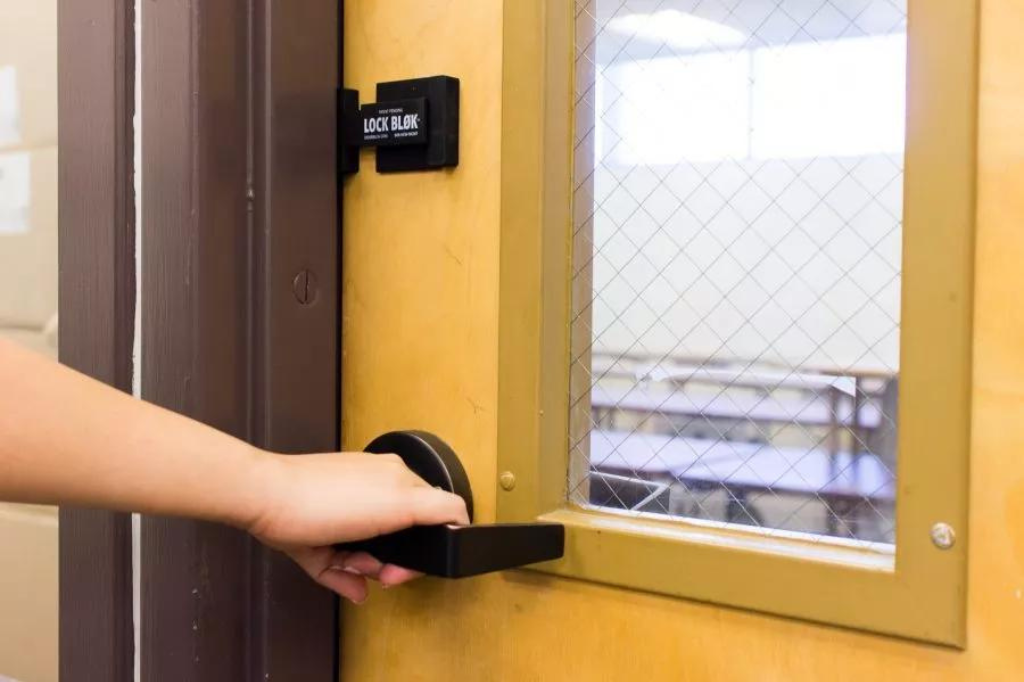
point(240, 311)
point(96, 223)
point(239, 202)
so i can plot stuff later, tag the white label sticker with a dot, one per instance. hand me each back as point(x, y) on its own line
point(15, 192)
point(10, 132)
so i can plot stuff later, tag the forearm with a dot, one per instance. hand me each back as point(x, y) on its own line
point(66, 439)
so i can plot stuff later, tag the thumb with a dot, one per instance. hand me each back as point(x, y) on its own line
point(431, 506)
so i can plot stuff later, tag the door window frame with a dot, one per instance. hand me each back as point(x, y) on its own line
point(924, 596)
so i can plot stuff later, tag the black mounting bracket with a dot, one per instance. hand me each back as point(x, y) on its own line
point(414, 125)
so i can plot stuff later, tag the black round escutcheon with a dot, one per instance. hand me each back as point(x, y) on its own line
point(428, 457)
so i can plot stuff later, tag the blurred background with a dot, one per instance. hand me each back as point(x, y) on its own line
point(28, 314)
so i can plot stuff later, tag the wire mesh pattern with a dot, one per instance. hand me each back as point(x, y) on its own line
point(737, 261)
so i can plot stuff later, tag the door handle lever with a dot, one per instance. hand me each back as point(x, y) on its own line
point(451, 550)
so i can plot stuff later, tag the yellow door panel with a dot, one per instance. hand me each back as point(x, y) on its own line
point(421, 339)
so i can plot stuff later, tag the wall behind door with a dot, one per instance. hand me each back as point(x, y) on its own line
point(28, 309)
point(522, 626)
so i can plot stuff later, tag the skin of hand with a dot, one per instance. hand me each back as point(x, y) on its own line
point(314, 501)
point(66, 439)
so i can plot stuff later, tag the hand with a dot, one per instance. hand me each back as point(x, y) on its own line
point(308, 503)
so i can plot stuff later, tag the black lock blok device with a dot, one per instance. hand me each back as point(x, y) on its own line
point(414, 124)
point(449, 550)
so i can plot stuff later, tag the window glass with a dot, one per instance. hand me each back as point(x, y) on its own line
point(737, 260)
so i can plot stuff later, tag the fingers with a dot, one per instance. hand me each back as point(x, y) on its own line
point(323, 565)
point(429, 506)
point(391, 575)
point(370, 567)
point(349, 585)
point(361, 563)
point(432, 506)
point(346, 573)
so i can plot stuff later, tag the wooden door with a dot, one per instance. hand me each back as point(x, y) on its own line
point(421, 338)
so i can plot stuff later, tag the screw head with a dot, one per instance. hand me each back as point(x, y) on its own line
point(943, 535)
point(304, 286)
point(507, 480)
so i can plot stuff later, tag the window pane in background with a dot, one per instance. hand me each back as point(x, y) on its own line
point(739, 175)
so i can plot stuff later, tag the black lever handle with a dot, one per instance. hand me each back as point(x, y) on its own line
point(449, 550)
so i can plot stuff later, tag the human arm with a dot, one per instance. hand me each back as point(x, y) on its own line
point(67, 439)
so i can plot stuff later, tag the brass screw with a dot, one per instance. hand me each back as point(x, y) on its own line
point(507, 480)
point(943, 535)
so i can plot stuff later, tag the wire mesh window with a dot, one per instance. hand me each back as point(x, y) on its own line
point(737, 261)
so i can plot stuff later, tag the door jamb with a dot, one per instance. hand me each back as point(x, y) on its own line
point(240, 326)
point(96, 255)
point(241, 205)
